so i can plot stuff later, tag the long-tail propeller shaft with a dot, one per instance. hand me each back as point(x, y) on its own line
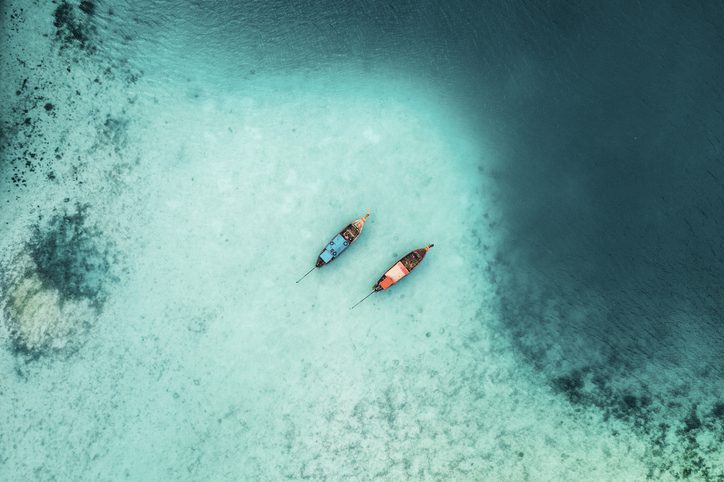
point(305, 275)
point(360, 301)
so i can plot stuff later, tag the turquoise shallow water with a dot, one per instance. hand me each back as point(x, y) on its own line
point(169, 171)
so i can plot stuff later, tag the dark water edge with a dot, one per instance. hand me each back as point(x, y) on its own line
point(611, 259)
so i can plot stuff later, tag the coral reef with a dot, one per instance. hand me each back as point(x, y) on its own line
point(38, 321)
point(56, 287)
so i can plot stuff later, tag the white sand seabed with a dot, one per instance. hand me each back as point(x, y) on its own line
point(210, 363)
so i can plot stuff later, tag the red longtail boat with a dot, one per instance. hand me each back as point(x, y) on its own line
point(398, 270)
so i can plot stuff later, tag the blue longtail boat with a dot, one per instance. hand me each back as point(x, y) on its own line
point(339, 243)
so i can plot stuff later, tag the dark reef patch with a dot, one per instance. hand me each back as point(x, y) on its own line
point(72, 29)
point(114, 132)
point(87, 7)
point(55, 289)
point(684, 439)
point(717, 411)
point(71, 257)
